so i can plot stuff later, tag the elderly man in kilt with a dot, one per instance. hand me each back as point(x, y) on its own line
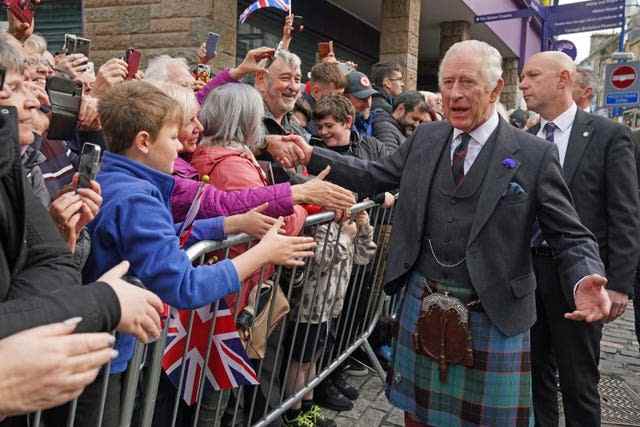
point(473, 191)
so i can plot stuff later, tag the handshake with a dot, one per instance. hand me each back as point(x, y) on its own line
point(288, 150)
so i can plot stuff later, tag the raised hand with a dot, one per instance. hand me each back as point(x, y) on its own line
point(317, 191)
point(286, 250)
point(251, 63)
point(254, 223)
point(592, 300)
point(111, 73)
point(49, 365)
point(140, 309)
point(73, 65)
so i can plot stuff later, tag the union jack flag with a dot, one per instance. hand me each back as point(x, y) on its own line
point(228, 365)
point(260, 4)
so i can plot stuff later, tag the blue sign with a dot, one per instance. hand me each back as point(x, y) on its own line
point(566, 46)
point(520, 13)
point(586, 16)
point(622, 98)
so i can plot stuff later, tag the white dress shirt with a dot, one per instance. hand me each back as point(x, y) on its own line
point(564, 124)
point(479, 137)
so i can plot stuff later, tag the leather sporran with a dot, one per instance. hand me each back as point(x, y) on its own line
point(442, 332)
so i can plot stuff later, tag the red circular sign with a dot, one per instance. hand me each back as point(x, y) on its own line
point(623, 77)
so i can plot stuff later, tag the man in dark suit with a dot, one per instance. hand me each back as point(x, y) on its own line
point(470, 190)
point(635, 136)
point(598, 160)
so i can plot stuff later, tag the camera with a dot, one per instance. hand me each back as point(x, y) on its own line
point(89, 164)
point(65, 97)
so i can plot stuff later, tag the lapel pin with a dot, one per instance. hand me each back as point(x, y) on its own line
point(585, 134)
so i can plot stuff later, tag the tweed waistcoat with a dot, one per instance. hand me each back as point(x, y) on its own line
point(450, 213)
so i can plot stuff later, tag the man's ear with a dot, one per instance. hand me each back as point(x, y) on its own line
point(495, 93)
point(565, 79)
point(142, 142)
point(315, 89)
point(349, 122)
point(261, 76)
point(400, 111)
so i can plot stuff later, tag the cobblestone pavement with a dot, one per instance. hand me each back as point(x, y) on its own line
point(620, 359)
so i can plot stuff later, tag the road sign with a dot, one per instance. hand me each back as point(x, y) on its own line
point(566, 46)
point(623, 76)
point(585, 16)
point(621, 85)
point(520, 13)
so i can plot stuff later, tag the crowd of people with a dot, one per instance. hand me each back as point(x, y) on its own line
point(520, 228)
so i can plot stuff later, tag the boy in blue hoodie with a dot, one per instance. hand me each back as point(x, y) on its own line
point(141, 126)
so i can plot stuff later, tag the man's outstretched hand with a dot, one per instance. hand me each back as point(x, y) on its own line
point(592, 300)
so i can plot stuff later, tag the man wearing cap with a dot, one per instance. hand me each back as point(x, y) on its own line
point(359, 91)
point(409, 110)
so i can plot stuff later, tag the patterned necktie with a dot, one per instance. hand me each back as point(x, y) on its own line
point(549, 130)
point(459, 154)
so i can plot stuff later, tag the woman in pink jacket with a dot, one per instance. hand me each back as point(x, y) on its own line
point(232, 118)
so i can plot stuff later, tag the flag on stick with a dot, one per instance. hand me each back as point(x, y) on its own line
point(284, 5)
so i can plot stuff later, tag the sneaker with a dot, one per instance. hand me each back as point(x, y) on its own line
point(328, 396)
point(340, 382)
point(319, 419)
point(312, 417)
point(304, 419)
point(355, 368)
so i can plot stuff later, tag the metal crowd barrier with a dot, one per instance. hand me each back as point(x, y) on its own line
point(261, 405)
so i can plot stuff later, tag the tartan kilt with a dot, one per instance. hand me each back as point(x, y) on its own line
point(495, 392)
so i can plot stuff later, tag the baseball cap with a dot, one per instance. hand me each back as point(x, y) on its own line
point(358, 85)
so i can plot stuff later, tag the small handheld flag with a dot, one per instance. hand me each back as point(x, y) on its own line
point(284, 5)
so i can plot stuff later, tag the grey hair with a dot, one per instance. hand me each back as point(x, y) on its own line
point(585, 77)
point(36, 43)
point(233, 114)
point(182, 95)
point(285, 56)
point(491, 60)
point(158, 68)
point(11, 56)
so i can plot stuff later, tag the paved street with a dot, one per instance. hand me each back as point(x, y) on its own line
point(620, 368)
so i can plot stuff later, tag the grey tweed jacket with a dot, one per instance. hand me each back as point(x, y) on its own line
point(524, 181)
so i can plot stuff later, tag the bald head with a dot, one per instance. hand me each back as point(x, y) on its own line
point(547, 83)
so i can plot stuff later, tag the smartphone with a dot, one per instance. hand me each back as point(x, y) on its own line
point(132, 58)
point(298, 23)
point(212, 44)
point(69, 43)
point(82, 46)
point(89, 164)
point(21, 9)
point(202, 72)
point(325, 49)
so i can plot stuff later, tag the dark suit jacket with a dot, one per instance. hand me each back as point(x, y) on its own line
point(498, 255)
point(600, 170)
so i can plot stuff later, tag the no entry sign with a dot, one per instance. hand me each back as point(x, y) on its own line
point(623, 77)
point(622, 88)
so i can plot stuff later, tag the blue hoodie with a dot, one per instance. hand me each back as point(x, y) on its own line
point(135, 224)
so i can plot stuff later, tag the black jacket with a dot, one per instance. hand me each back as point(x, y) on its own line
point(600, 170)
point(387, 130)
point(39, 280)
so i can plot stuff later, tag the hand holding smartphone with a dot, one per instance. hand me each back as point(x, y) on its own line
point(212, 44)
point(89, 164)
point(132, 58)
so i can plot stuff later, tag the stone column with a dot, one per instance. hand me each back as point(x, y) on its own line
point(510, 93)
point(452, 32)
point(400, 35)
point(157, 27)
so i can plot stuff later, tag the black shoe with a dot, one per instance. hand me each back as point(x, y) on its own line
point(328, 396)
point(340, 382)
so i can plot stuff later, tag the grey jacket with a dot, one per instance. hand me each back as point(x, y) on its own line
point(387, 130)
point(498, 256)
